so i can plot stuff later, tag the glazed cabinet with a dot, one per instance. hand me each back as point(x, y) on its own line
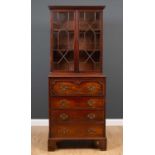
point(77, 85)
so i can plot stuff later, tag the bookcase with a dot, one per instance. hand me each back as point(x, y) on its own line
point(77, 85)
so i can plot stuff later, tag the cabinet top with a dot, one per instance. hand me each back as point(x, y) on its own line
point(52, 7)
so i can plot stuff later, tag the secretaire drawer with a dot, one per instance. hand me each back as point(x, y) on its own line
point(77, 87)
point(77, 130)
point(76, 102)
point(76, 115)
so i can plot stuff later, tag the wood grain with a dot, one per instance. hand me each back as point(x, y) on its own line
point(114, 143)
point(77, 86)
point(63, 131)
point(77, 102)
point(77, 115)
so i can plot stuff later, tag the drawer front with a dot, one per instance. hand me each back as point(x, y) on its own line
point(77, 130)
point(77, 102)
point(76, 115)
point(77, 87)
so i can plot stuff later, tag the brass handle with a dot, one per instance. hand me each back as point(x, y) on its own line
point(64, 87)
point(63, 116)
point(64, 131)
point(91, 131)
point(91, 88)
point(91, 116)
point(63, 103)
point(91, 103)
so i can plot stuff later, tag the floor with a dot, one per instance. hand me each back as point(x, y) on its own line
point(114, 138)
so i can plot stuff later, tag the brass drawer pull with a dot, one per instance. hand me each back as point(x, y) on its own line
point(91, 131)
point(64, 131)
point(91, 103)
point(63, 103)
point(64, 87)
point(63, 116)
point(91, 116)
point(91, 88)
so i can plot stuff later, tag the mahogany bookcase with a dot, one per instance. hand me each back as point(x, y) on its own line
point(77, 85)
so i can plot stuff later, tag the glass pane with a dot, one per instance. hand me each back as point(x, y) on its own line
point(81, 16)
point(89, 39)
point(98, 40)
point(63, 40)
point(55, 40)
point(71, 40)
point(56, 56)
point(89, 16)
point(96, 56)
point(97, 16)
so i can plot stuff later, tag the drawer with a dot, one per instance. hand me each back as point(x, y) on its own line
point(77, 102)
point(77, 130)
point(76, 115)
point(77, 87)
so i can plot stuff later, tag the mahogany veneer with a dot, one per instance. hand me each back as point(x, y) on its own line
point(77, 86)
point(77, 102)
